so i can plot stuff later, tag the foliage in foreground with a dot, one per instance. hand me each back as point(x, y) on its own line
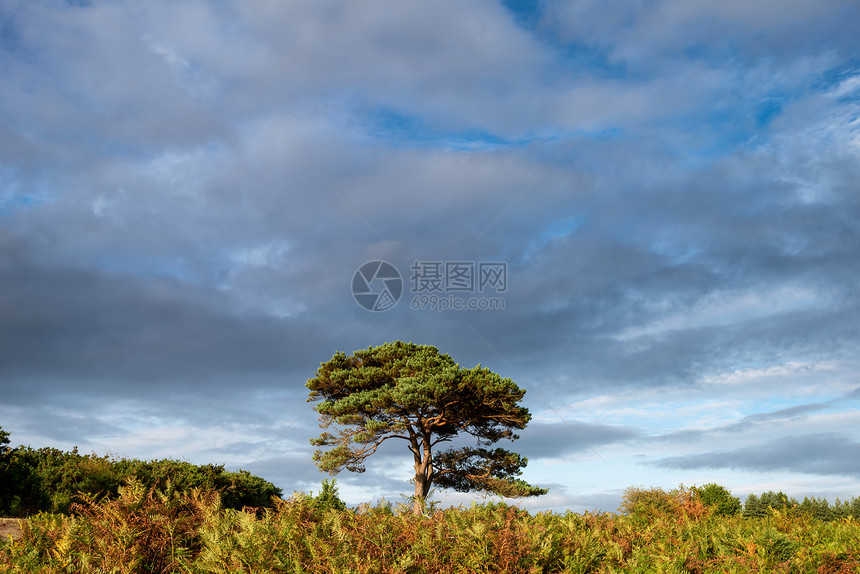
point(147, 530)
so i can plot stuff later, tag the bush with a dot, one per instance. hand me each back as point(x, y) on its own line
point(680, 503)
point(22, 490)
point(51, 480)
point(242, 489)
point(646, 502)
point(719, 498)
point(328, 497)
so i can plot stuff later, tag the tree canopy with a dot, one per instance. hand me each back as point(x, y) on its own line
point(414, 393)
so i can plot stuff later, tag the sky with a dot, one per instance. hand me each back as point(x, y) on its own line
point(667, 192)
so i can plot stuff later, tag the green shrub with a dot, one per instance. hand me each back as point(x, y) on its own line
point(51, 480)
point(242, 489)
point(646, 502)
point(22, 490)
point(719, 498)
point(328, 497)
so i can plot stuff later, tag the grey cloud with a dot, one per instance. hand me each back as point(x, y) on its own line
point(56, 425)
point(602, 284)
point(634, 31)
point(821, 454)
point(187, 188)
point(747, 423)
point(600, 502)
point(781, 414)
point(562, 498)
point(288, 471)
point(456, 64)
point(187, 64)
point(124, 92)
point(98, 329)
point(555, 440)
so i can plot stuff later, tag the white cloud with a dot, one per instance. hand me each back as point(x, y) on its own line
point(731, 308)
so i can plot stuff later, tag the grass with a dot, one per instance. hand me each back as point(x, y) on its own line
point(163, 531)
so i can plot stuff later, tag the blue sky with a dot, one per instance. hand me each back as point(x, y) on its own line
point(187, 188)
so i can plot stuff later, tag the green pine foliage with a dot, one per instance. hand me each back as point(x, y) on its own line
point(753, 507)
point(422, 397)
point(776, 500)
point(759, 506)
point(328, 498)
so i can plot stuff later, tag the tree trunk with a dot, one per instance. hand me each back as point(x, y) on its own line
point(423, 472)
point(422, 487)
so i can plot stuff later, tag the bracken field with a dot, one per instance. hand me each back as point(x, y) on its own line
point(151, 530)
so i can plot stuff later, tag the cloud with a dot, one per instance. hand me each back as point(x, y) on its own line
point(820, 453)
point(558, 440)
point(186, 189)
point(98, 328)
point(634, 31)
point(748, 423)
point(561, 499)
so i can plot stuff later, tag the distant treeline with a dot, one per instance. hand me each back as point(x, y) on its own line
point(757, 506)
point(50, 480)
point(652, 501)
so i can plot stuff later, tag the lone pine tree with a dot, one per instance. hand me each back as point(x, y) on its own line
point(416, 394)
